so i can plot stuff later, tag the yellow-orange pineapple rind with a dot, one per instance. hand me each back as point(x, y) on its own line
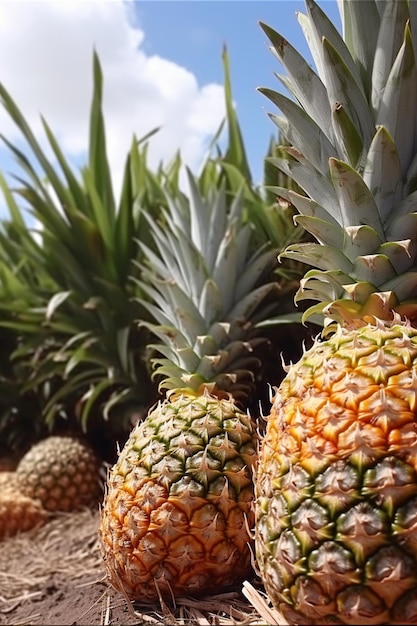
point(18, 513)
point(177, 514)
point(337, 481)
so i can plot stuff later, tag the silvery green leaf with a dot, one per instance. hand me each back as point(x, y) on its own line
point(319, 287)
point(404, 286)
point(210, 302)
point(189, 318)
point(174, 356)
point(199, 214)
point(236, 206)
point(302, 81)
point(359, 240)
point(323, 257)
point(399, 254)
point(178, 212)
point(335, 277)
point(188, 360)
point(360, 27)
point(382, 173)
point(313, 41)
point(243, 238)
point(245, 308)
point(307, 206)
point(175, 307)
point(315, 108)
point(373, 268)
point(205, 344)
point(169, 335)
point(253, 271)
point(217, 228)
point(179, 259)
point(343, 90)
point(317, 26)
point(304, 204)
point(159, 308)
point(398, 104)
point(188, 264)
point(323, 231)
point(301, 130)
point(405, 225)
point(390, 38)
point(154, 261)
point(219, 331)
point(348, 138)
point(224, 271)
point(356, 201)
point(316, 186)
point(207, 367)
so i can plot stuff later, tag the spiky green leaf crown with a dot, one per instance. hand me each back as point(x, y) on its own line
point(206, 291)
point(352, 126)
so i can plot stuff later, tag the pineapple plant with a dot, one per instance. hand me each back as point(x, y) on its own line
point(70, 343)
point(178, 510)
point(61, 472)
point(336, 488)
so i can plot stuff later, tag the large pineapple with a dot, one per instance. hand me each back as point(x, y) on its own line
point(177, 516)
point(336, 527)
point(62, 472)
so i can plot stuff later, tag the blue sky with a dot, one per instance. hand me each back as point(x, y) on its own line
point(161, 62)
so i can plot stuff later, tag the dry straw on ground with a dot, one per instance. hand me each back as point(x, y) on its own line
point(54, 574)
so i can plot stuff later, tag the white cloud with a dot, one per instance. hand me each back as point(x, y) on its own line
point(46, 49)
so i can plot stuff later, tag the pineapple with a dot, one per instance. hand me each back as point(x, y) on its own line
point(17, 511)
point(62, 472)
point(336, 488)
point(9, 481)
point(178, 511)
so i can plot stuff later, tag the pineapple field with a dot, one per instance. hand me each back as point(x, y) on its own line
point(184, 438)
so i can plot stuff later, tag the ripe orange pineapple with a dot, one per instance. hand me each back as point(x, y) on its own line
point(176, 518)
point(336, 528)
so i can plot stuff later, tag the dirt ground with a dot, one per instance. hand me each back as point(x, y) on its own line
point(54, 575)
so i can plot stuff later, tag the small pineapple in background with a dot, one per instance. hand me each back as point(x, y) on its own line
point(62, 472)
point(179, 506)
point(336, 529)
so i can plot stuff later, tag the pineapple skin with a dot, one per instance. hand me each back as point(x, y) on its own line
point(336, 490)
point(62, 472)
point(18, 513)
point(180, 501)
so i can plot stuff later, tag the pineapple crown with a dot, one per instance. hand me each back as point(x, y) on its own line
point(352, 126)
point(205, 291)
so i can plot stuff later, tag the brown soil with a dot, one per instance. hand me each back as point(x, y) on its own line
point(54, 575)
